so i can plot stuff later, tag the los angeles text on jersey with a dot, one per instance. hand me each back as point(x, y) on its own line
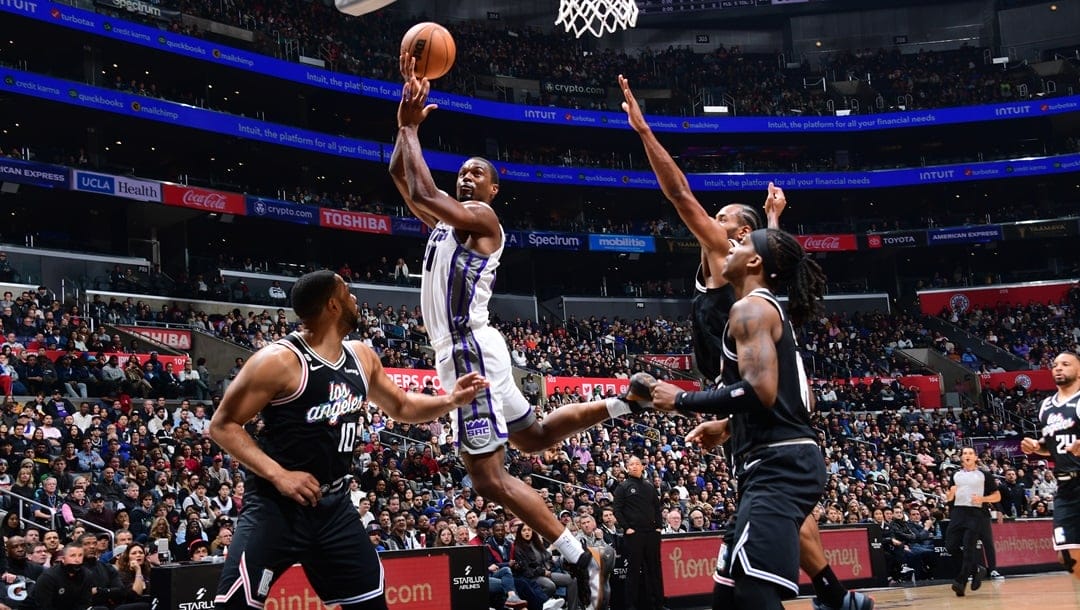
point(342, 402)
point(1055, 423)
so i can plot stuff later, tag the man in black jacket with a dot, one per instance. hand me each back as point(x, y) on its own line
point(637, 509)
point(104, 579)
point(66, 585)
point(19, 575)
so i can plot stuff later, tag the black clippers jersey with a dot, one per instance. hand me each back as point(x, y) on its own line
point(789, 418)
point(1060, 421)
point(315, 428)
point(710, 310)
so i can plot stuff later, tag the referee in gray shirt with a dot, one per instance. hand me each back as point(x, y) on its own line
point(972, 489)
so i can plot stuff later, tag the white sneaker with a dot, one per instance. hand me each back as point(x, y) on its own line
point(906, 569)
point(554, 603)
point(997, 575)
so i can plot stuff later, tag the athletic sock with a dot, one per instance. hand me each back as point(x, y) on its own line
point(828, 588)
point(569, 547)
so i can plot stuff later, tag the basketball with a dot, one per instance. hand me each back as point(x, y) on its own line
point(433, 48)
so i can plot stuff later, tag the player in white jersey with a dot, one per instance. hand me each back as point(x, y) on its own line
point(459, 265)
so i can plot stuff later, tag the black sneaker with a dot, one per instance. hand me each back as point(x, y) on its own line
point(639, 393)
point(587, 573)
point(958, 588)
point(977, 578)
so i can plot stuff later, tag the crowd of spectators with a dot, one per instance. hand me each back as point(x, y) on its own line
point(843, 345)
point(1035, 332)
point(136, 461)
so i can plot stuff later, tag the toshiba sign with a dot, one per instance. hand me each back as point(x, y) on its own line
point(354, 221)
point(841, 242)
point(206, 200)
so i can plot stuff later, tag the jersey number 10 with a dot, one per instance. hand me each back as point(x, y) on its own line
point(348, 437)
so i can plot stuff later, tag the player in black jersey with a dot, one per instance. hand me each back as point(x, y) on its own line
point(1059, 416)
point(711, 305)
point(311, 389)
point(766, 397)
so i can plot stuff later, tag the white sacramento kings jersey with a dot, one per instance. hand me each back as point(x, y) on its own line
point(456, 285)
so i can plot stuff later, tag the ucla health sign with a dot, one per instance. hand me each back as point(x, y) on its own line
point(94, 183)
point(636, 244)
point(285, 211)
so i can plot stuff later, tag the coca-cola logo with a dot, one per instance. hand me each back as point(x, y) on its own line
point(206, 200)
point(822, 242)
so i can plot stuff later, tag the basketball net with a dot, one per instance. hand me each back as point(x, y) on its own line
point(596, 16)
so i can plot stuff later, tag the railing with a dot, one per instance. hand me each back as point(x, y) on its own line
point(21, 502)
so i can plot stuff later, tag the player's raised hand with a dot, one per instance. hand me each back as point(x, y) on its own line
point(775, 202)
point(299, 486)
point(466, 389)
point(710, 434)
point(413, 108)
point(630, 106)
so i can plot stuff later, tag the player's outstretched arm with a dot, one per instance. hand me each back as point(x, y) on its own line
point(270, 373)
point(672, 180)
point(755, 325)
point(397, 161)
point(413, 407)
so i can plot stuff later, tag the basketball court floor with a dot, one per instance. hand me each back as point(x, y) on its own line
point(1054, 591)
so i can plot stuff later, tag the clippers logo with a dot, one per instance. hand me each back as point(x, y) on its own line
point(477, 432)
point(1023, 381)
point(959, 303)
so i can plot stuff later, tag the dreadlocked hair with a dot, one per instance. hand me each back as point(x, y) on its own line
point(800, 275)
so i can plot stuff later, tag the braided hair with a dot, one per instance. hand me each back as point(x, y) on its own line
point(787, 264)
point(748, 216)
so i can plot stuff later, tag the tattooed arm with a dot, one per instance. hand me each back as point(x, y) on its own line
point(755, 326)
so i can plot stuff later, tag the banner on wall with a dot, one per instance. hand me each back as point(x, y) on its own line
point(284, 211)
point(206, 200)
point(896, 239)
point(1036, 379)
point(681, 362)
point(36, 174)
point(606, 384)
point(172, 337)
point(354, 221)
point(841, 242)
point(407, 378)
point(981, 234)
point(934, 302)
point(1039, 229)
